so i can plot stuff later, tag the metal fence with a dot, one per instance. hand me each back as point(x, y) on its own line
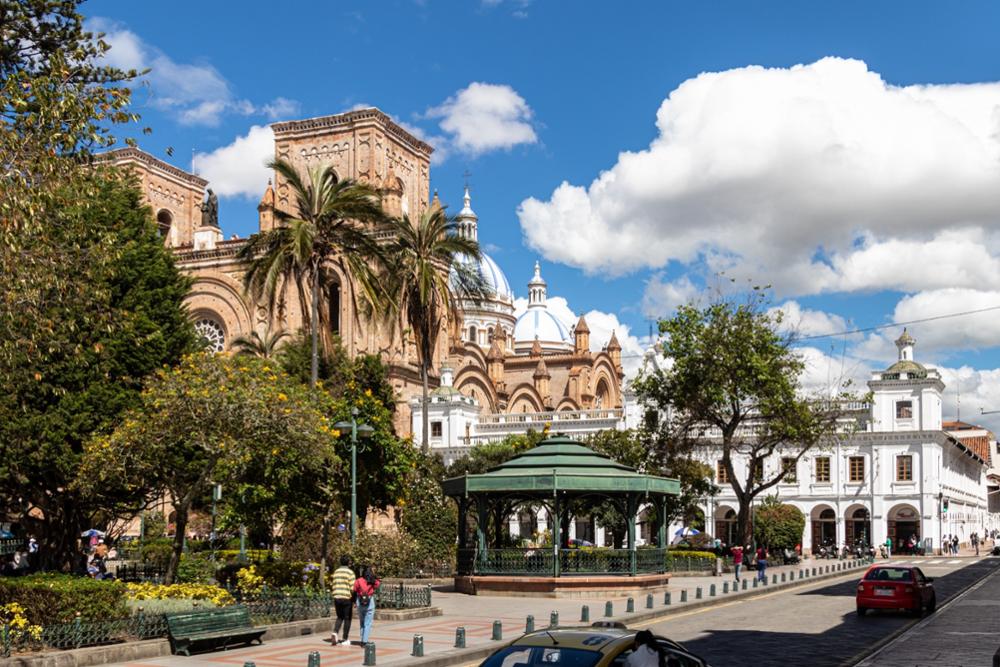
point(9, 546)
point(540, 561)
point(265, 609)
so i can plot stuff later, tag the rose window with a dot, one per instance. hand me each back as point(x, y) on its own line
point(212, 333)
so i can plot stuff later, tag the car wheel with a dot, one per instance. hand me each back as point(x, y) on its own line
point(932, 606)
point(861, 610)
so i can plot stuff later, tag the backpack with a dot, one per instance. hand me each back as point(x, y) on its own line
point(364, 600)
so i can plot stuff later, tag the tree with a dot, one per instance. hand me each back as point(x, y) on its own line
point(214, 419)
point(326, 231)
point(259, 345)
point(734, 384)
point(427, 273)
point(427, 514)
point(488, 455)
point(73, 369)
point(778, 526)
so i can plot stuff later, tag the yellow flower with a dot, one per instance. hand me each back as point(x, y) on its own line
point(368, 392)
point(282, 397)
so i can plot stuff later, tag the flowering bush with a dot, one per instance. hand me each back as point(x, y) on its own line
point(248, 581)
point(49, 599)
point(219, 597)
point(20, 630)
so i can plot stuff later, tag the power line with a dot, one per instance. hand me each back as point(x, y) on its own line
point(877, 327)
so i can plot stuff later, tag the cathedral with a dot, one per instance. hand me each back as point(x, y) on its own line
point(495, 363)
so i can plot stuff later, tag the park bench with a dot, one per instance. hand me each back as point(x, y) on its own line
point(214, 628)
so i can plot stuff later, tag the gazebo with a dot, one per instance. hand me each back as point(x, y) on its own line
point(566, 478)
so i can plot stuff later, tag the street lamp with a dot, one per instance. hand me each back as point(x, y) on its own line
point(355, 429)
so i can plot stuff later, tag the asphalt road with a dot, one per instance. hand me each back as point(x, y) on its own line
point(815, 625)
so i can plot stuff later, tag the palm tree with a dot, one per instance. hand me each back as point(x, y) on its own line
point(431, 268)
point(326, 231)
point(257, 345)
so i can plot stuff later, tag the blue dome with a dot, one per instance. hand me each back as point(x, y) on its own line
point(541, 324)
point(494, 278)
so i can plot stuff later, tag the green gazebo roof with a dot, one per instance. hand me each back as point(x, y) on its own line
point(560, 464)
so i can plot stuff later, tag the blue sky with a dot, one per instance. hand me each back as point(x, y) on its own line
point(863, 184)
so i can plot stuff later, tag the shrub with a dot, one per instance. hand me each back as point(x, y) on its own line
point(157, 552)
point(778, 526)
point(686, 553)
point(48, 599)
point(192, 570)
point(219, 597)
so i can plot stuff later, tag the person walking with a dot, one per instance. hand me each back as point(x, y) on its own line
point(888, 547)
point(945, 545)
point(343, 600)
point(975, 542)
point(737, 561)
point(761, 564)
point(364, 588)
point(954, 545)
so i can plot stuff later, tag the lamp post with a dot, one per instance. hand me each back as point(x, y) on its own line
point(355, 429)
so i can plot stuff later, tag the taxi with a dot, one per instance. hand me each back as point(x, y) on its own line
point(896, 587)
point(603, 644)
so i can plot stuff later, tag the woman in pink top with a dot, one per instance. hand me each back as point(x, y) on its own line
point(737, 560)
point(364, 589)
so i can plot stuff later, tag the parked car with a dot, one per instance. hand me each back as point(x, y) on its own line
point(896, 587)
point(600, 645)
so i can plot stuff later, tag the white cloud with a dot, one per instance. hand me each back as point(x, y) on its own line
point(484, 117)
point(601, 326)
point(815, 177)
point(808, 322)
point(197, 93)
point(981, 330)
point(662, 297)
point(239, 168)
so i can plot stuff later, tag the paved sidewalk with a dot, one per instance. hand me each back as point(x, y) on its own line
point(477, 614)
point(962, 633)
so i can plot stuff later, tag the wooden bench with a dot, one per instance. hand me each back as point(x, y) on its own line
point(215, 628)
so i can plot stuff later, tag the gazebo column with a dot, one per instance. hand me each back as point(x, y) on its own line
point(557, 511)
point(463, 523)
point(661, 533)
point(631, 503)
point(483, 517)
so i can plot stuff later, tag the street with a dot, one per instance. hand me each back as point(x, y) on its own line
point(815, 625)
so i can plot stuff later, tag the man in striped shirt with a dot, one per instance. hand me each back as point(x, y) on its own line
point(343, 584)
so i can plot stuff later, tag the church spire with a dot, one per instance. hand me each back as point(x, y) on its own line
point(468, 221)
point(537, 289)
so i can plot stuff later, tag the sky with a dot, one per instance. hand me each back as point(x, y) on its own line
point(647, 154)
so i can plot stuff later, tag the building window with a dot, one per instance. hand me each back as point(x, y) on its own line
point(904, 468)
point(856, 469)
point(823, 469)
point(758, 471)
point(335, 308)
point(721, 474)
point(435, 429)
point(473, 335)
point(904, 409)
point(212, 333)
point(788, 465)
point(164, 220)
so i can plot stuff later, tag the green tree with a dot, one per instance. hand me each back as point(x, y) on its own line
point(71, 373)
point(426, 514)
point(734, 385)
point(327, 231)
point(260, 345)
point(778, 526)
point(488, 455)
point(214, 419)
point(427, 272)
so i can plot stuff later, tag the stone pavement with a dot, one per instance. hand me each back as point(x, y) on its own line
point(962, 633)
point(477, 614)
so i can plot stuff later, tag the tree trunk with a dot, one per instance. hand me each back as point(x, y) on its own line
point(425, 418)
point(180, 528)
point(324, 548)
point(314, 326)
point(744, 521)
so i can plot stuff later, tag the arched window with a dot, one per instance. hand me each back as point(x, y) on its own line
point(473, 334)
point(334, 315)
point(404, 204)
point(212, 333)
point(164, 219)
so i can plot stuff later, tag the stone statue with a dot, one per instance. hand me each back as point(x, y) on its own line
point(210, 210)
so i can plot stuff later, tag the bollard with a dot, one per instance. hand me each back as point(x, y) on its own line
point(782, 577)
point(711, 591)
point(609, 609)
point(774, 578)
point(418, 648)
point(249, 663)
point(459, 637)
point(497, 631)
point(554, 619)
point(369, 654)
point(725, 587)
point(697, 593)
point(755, 583)
point(529, 624)
point(744, 584)
point(313, 659)
point(684, 596)
point(630, 606)
point(649, 601)
point(800, 574)
point(814, 572)
point(585, 614)
point(666, 599)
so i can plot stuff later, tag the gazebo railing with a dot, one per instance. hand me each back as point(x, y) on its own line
point(540, 561)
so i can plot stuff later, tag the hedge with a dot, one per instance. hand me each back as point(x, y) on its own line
point(56, 598)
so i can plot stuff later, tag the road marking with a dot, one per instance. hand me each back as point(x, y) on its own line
point(954, 562)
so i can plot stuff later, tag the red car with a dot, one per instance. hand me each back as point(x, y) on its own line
point(896, 587)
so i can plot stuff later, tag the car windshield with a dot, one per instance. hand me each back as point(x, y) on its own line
point(889, 574)
point(518, 656)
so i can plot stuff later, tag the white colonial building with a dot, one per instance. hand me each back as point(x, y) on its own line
point(899, 471)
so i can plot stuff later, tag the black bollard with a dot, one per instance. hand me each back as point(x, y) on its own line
point(725, 587)
point(529, 624)
point(313, 659)
point(459, 637)
point(649, 601)
point(369, 654)
point(497, 631)
point(630, 606)
point(585, 614)
point(711, 591)
point(418, 646)
point(684, 596)
point(554, 619)
point(666, 598)
point(697, 593)
point(609, 609)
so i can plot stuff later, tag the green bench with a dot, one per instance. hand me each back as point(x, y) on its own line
point(214, 628)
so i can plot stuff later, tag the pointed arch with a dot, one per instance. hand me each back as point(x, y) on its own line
point(524, 398)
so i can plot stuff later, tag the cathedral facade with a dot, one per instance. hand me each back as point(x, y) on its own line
point(500, 362)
